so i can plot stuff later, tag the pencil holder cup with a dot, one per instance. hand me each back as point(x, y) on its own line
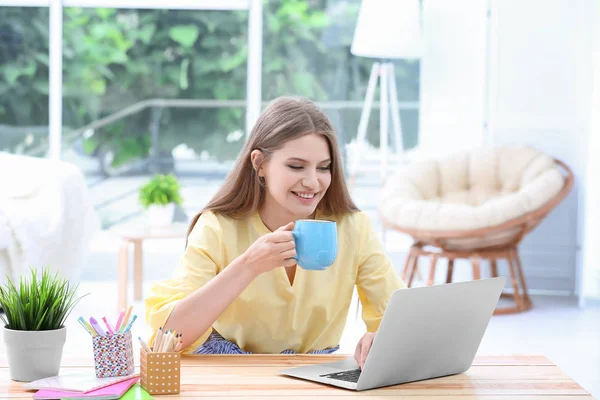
point(113, 355)
point(160, 373)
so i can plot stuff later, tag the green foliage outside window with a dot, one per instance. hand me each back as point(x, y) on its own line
point(113, 58)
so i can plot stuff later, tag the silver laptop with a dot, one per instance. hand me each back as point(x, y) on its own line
point(425, 333)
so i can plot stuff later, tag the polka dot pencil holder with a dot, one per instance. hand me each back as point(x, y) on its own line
point(160, 372)
point(113, 355)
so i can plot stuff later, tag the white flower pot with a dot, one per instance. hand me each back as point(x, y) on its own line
point(161, 216)
point(34, 355)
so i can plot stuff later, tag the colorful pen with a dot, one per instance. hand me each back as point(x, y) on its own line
point(128, 328)
point(108, 326)
point(119, 320)
point(125, 320)
point(87, 326)
point(96, 326)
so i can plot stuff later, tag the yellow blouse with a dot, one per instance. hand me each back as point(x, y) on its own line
point(271, 315)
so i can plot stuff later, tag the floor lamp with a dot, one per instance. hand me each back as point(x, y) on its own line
point(385, 30)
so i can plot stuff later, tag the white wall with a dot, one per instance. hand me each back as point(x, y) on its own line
point(452, 75)
point(535, 90)
point(591, 206)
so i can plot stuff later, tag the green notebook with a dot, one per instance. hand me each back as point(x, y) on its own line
point(136, 393)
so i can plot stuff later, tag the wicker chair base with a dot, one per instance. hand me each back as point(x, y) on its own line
point(520, 296)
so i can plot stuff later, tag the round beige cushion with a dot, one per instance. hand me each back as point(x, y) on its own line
point(467, 191)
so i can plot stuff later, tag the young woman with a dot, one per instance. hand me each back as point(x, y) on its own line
point(238, 288)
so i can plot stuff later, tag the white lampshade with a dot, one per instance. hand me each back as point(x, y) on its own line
point(388, 29)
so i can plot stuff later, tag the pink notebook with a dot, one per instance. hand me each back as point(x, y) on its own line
point(106, 393)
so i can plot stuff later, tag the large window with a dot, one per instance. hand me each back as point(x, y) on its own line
point(120, 64)
point(23, 78)
point(166, 82)
point(147, 90)
point(306, 52)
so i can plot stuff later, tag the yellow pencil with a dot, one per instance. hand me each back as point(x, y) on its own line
point(158, 340)
point(175, 340)
point(167, 342)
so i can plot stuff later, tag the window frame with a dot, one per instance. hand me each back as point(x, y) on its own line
point(254, 63)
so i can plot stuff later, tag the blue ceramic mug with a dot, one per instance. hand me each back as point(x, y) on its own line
point(316, 243)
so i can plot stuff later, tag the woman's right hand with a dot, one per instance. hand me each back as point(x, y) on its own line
point(275, 249)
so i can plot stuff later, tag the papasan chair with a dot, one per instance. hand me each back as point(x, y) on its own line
point(476, 205)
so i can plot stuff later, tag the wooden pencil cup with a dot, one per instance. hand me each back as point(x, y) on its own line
point(160, 373)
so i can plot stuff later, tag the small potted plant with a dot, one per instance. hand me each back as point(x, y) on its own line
point(34, 323)
point(160, 196)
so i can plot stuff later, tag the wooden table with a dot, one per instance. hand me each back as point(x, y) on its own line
point(255, 377)
point(135, 235)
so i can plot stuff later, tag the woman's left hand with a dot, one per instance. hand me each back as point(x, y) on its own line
point(363, 347)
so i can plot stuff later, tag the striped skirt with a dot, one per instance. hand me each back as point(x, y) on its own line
point(217, 344)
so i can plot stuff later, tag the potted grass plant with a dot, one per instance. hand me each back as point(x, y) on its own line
point(34, 323)
point(159, 196)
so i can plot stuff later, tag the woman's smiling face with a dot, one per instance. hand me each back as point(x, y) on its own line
point(297, 176)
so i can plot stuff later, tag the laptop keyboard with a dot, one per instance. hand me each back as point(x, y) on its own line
point(348, 376)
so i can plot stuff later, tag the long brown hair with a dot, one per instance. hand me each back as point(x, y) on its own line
point(285, 118)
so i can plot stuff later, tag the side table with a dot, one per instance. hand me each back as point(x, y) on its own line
point(135, 235)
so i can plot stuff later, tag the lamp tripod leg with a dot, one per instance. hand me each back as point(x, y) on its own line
point(398, 141)
point(383, 120)
point(364, 121)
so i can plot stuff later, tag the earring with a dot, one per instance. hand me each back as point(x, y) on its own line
point(261, 179)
